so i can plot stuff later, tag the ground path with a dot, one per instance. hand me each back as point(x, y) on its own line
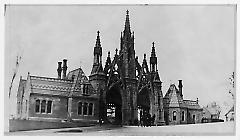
point(222, 128)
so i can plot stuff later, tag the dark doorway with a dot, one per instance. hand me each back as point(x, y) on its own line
point(143, 103)
point(114, 105)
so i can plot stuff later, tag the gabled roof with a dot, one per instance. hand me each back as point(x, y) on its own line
point(72, 75)
point(79, 78)
point(211, 110)
point(156, 77)
point(173, 98)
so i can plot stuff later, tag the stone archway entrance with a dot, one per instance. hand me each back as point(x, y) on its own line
point(143, 103)
point(114, 105)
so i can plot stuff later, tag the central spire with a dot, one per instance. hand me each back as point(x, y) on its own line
point(127, 31)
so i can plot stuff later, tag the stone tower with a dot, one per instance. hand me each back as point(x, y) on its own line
point(157, 103)
point(97, 77)
point(128, 71)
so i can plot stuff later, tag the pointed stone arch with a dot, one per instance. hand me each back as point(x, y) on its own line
point(114, 104)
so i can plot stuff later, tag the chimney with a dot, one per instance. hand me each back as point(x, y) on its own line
point(180, 87)
point(59, 70)
point(64, 68)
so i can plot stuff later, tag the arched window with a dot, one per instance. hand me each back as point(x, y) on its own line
point(90, 109)
point(49, 107)
point(85, 108)
point(193, 118)
point(183, 116)
point(84, 89)
point(43, 106)
point(80, 108)
point(37, 107)
point(174, 115)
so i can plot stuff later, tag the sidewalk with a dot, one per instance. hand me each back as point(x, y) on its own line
point(66, 131)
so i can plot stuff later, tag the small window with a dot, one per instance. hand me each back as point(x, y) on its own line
point(43, 106)
point(90, 109)
point(160, 111)
point(37, 107)
point(85, 108)
point(80, 108)
point(49, 107)
point(85, 89)
point(183, 116)
point(174, 115)
point(193, 118)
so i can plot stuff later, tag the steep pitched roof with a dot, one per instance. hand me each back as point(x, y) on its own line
point(173, 98)
point(79, 78)
point(97, 69)
point(156, 77)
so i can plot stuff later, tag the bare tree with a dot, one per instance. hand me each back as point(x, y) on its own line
point(15, 70)
point(232, 80)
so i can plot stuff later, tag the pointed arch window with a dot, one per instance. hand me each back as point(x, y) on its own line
point(174, 115)
point(183, 117)
point(80, 108)
point(85, 89)
point(194, 117)
point(90, 109)
point(43, 106)
point(49, 107)
point(37, 106)
point(85, 108)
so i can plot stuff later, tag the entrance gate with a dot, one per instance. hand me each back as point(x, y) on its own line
point(114, 106)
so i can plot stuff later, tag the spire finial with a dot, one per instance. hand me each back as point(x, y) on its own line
point(98, 43)
point(108, 53)
point(127, 31)
point(153, 54)
point(144, 55)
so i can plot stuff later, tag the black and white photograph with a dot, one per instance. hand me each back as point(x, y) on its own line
point(120, 69)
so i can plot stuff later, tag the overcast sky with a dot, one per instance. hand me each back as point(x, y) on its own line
point(193, 43)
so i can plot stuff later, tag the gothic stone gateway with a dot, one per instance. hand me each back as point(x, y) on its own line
point(117, 93)
point(128, 80)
